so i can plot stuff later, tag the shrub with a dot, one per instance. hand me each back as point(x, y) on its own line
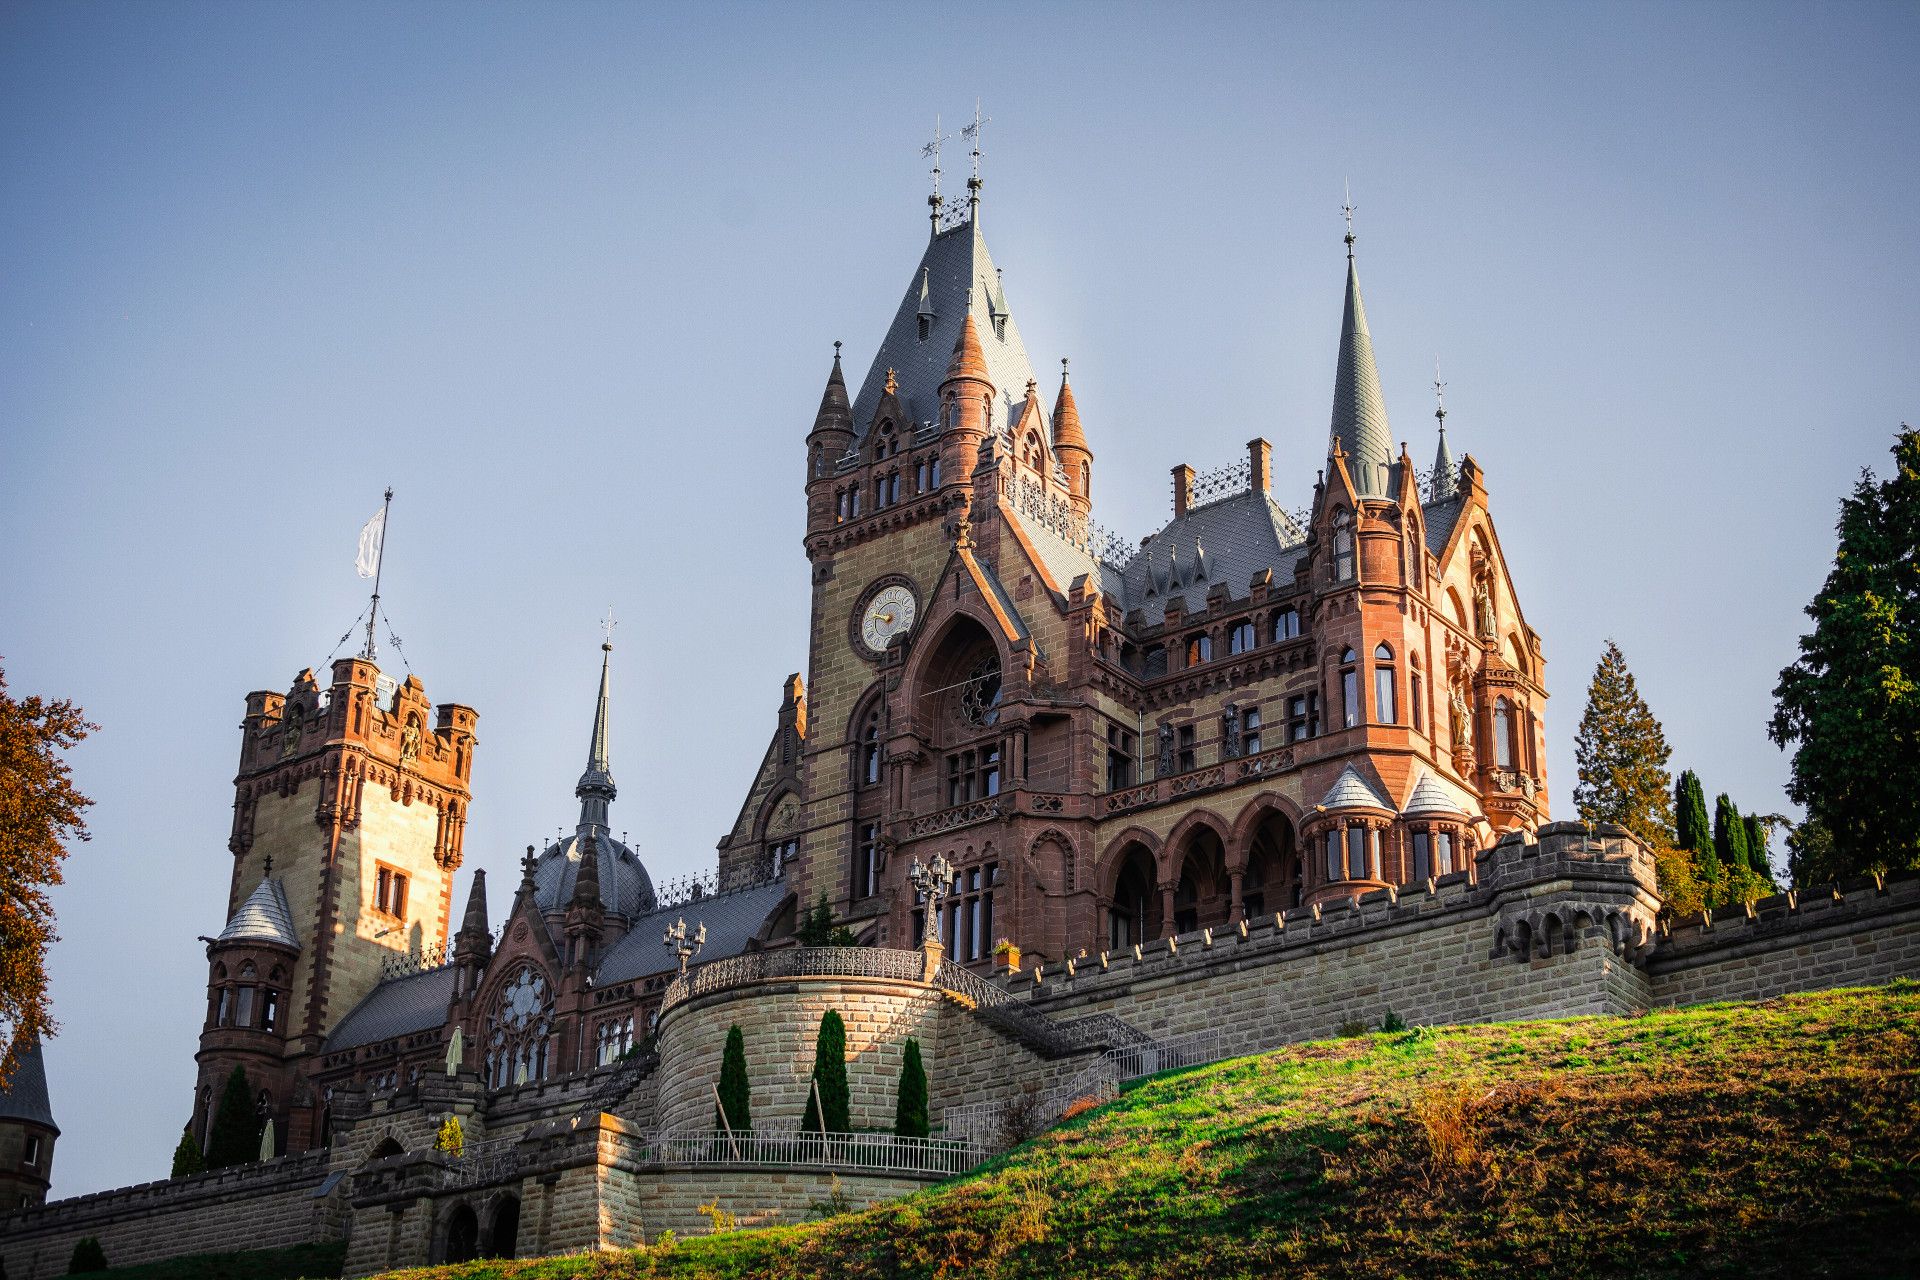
point(1079, 1107)
point(720, 1219)
point(735, 1107)
point(1352, 1027)
point(1446, 1119)
point(1393, 1022)
point(451, 1138)
point(829, 1091)
point(235, 1136)
point(87, 1256)
point(1022, 1117)
point(910, 1113)
point(187, 1159)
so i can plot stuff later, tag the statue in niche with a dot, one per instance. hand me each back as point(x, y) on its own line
point(289, 730)
point(1483, 610)
point(410, 739)
point(1462, 720)
point(1166, 752)
point(1230, 731)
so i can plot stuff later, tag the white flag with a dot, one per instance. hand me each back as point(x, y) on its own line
point(368, 561)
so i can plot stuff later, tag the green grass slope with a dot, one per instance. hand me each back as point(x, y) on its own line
point(1779, 1139)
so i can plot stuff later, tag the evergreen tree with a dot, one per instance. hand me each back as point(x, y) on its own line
point(88, 1256)
point(1729, 834)
point(910, 1113)
point(235, 1136)
point(829, 1079)
point(1690, 804)
point(187, 1159)
point(735, 1105)
point(1851, 700)
point(1622, 755)
point(817, 928)
point(1810, 857)
point(1757, 848)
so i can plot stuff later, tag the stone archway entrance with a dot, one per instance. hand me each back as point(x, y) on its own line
point(1134, 916)
point(503, 1232)
point(1272, 881)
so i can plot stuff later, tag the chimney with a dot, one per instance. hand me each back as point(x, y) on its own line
point(1260, 456)
point(1182, 489)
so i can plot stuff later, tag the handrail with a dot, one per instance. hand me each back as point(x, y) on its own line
point(793, 962)
point(861, 1152)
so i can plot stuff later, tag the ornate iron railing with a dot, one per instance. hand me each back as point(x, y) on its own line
point(701, 885)
point(793, 962)
point(481, 1163)
point(960, 815)
point(853, 1152)
point(1221, 484)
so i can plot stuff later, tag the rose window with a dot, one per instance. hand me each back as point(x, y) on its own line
point(518, 1030)
point(980, 693)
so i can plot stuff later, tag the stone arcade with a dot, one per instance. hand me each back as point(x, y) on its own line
point(1261, 773)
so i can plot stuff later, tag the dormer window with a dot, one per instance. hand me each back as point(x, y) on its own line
point(926, 325)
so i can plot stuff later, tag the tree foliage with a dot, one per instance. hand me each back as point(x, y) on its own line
point(1729, 834)
point(1757, 846)
point(817, 928)
point(187, 1159)
point(1690, 805)
point(1851, 700)
point(88, 1257)
point(40, 811)
point(910, 1111)
point(451, 1137)
point(829, 1079)
point(235, 1136)
point(1622, 755)
point(735, 1103)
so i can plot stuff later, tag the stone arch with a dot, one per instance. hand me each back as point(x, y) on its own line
point(1194, 861)
point(500, 1233)
point(1183, 832)
point(1267, 851)
point(954, 635)
point(1553, 935)
point(1523, 940)
point(388, 1147)
point(456, 1236)
point(1257, 810)
point(1065, 862)
point(1130, 890)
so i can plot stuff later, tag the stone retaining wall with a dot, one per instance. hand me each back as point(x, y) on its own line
point(261, 1206)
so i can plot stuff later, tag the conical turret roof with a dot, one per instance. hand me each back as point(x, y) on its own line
point(968, 361)
point(25, 1097)
point(263, 917)
point(1446, 474)
point(1066, 419)
point(595, 788)
point(836, 412)
point(1359, 410)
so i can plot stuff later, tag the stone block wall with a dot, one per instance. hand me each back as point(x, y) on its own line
point(757, 1197)
point(264, 1206)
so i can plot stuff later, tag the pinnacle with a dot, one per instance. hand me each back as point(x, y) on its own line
point(968, 360)
point(1066, 419)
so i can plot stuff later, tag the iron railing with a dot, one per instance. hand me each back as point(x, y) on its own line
point(857, 1152)
point(481, 1163)
point(793, 962)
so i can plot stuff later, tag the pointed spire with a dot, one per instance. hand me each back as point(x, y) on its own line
point(968, 361)
point(836, 411)
point(586, 881)
point(1359, 411)
point(926, 294)
point(595, 788)
point(1446, 476)
point(1066, 418)
point(475, 919)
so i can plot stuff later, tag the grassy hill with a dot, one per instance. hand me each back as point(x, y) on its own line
point(1779, 1139)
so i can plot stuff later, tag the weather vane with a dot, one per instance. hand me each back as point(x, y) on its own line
point(1347, 209)
point(932, 152)
point(972, 134)
point(606, 629)
point(1439, 395)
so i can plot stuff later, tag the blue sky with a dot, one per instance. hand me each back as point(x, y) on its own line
point(567, 277)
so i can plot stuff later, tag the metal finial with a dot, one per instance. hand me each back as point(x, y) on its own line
point(1439, 395)
point(972, 134)
point(836, 352)
point(932, 152)
point(267, 869)
point(1063, 368)
point(606, 629)
point(1347, 209)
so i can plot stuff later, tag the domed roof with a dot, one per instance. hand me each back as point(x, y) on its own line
point(625, 886)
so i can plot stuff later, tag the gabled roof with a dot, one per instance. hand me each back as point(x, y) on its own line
point(26, 1098)
point(958, 277)
point(1359, 410)
point(1351, 791)
point(1433, 794)
point(732, 920)
point(396, 1007)
point(263, 917)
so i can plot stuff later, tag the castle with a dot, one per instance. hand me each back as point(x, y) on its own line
point(1088, 807)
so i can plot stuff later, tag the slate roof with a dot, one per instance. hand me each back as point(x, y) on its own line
point(26, 1098)
point(732, 919)
point(625, 886)
point(1440, 519)
point(958, 275)
point(1223, 542)
point(1359, 410)
point(1351, 791)
point(263, 917)
point(397, 1007)
point(1432, 794)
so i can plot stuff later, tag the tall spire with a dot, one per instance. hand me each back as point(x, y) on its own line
point(1446, 476)
point(1066, 418)
point(1359, 410)
point(836, 413)
point(595, 788)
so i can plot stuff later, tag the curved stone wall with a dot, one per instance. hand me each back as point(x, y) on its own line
point(780, 1021)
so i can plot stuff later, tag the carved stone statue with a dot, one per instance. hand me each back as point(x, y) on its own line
point(410, 740)
point(1462, 719)
point(1166, 751)
point(1230, 731)
point(1483, 610)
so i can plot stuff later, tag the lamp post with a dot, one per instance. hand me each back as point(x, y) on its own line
point(685, 945)
point(933, 881)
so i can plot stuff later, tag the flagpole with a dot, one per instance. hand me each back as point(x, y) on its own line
point(379, 561)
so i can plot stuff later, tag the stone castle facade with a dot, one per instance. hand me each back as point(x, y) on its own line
point(1259, 775)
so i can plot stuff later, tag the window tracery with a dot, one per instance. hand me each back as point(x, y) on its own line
point(519, 1028)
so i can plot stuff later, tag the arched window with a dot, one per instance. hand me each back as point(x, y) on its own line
point(1383, 701)
point(518, 1029)
point(1286, 625)
point(1416, 694)
point(870, 751)
point(1240, 637)
point(885, 443)
point(1342, 547)
point(1033, 453)
point(1503, 733)
point(1199, 648)
point(1349, 689)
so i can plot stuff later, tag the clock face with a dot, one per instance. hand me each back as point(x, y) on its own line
point(890, 613)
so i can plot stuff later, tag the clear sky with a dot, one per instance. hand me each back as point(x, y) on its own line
point(567, 277)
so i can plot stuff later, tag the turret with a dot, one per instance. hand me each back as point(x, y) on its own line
point(586, 914)
point(966, 402)
point(1359, 411)
point(828, 441)
point(27, 1132)
point(1070, 444)
point(473, 945)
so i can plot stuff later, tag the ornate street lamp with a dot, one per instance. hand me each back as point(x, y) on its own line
point(685, 945)
point(933, 881)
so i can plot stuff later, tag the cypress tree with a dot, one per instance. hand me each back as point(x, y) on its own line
point(88, 1256)
point(735, 1105)
point(1622, 753)
point(910, 1113)
point(829, 1079)
point(187, 1159)
point(1847, 702)
point(1729, 834)
point(235, 1136)
point(1690, 802)
point(1757, 848)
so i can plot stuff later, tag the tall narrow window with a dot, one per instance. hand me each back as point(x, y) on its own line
point(1357, 853)
point(1417, 698)
point(1503, 733)
point(1342, 547)
point(270, 1010)
point(1334, 866)
point(1240, 639)
point(1349, 689)
point(1199, 649)
point(1187, 757)
point(866, 861)
point(870, 754)
point(1383, 705)
point(1286, 625)
point(1422, 855)
point(243, 1009)
point(1442, 853)
point(1250, 731)
point(1119, 758)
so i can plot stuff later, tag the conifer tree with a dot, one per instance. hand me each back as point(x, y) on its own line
point(235, 1136)
point(1729, 834)
point(88, 1257)
point(910, 1112)
point(829, 1080)
point(1690, 804)
point(187, 1159)
point(1622, 755)
point(735, 1107)
point(1851, 700)
point(1757, 848)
